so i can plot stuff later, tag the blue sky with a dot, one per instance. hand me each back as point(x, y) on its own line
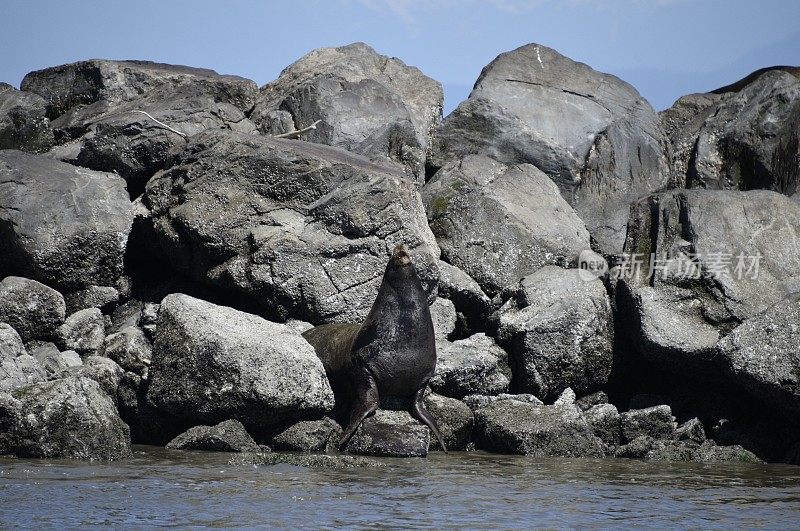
point(665, 48)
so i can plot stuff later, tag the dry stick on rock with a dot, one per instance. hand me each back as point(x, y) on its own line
point(296, 134)
point(291, 134)
point(162, 124)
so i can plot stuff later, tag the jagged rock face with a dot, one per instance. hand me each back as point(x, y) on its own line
point(303, 229)
point(367, 103)
point(498, 223)
point(11, 344)
point(455, 421)
point(65, 226)
point(763, 354)
point(743, 137)
point(23, 121)
point(67, 418)
point(558, 329)
point(116, 136)
point(20, 371)
point(472, 305)
point(676, 319)
point(213, 363)
point(590, 132)
point(87, 82)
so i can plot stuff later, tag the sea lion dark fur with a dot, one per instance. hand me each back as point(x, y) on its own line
point(392, 355)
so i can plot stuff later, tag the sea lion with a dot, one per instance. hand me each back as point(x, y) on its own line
point(392, 355)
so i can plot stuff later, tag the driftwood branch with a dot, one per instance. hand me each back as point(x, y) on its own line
point(162, 124)
point(296, 134)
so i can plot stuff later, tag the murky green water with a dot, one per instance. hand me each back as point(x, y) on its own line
point(160, 487)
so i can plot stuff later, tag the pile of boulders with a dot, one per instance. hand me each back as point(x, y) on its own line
point(604, 280)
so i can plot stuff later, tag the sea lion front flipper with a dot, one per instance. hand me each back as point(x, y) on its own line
point(420, 412)
point(365, 402)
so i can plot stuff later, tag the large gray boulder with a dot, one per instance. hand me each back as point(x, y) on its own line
point(130, 348)
point(476, 365)
point(87, 82)
point(763, 354)
point(390, 434)
point(498, 223)
point(720, 258)
point(511, 426)
point(32, 309)
point(366, 103)
point(308, 436)
point(67, 418)
point(61, 225)
point(656, 422)
point(303, 229)
point(590, 132)
point(743, 136)
point(558, 328)
point(23, 121)
point(118, 137)
point(213, 363)
point(455, 421)
point(228, 436)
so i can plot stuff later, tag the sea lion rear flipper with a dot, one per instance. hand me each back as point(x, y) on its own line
point(365, 402)
point(421, 413)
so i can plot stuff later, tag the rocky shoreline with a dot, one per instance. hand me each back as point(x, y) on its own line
point(605, 280)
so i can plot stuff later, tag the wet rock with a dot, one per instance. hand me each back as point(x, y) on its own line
point(558, 329)
point(87, 82)
point(309, 436)
point(590, 132)
point(743, 137)
point(302, 229)
point(21, 371)
point(443, 313)
point(709, 451)
point(739, 259)
point(763, 354)
point(11, 344)
point(509, 426)
point(103, 297)
point(367, 103)
point(515, 214)
point(472, 305)
point(67, 418)
point(455, 421)
point(691, 430)
point(227, 436)
point(130, 348)
point(62, 225)
point(638, 448)
point(308, 460)
point(656, 422)
point(83, 331)
point(605, 421)
point(390, 434)
point(475, 365)
point(23, 123)
point(213, 363)
point(34, 310)
point(594, 399)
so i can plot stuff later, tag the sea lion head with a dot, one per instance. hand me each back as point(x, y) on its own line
point(400, 268)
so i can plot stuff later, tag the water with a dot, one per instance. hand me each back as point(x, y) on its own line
point(469, 490)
